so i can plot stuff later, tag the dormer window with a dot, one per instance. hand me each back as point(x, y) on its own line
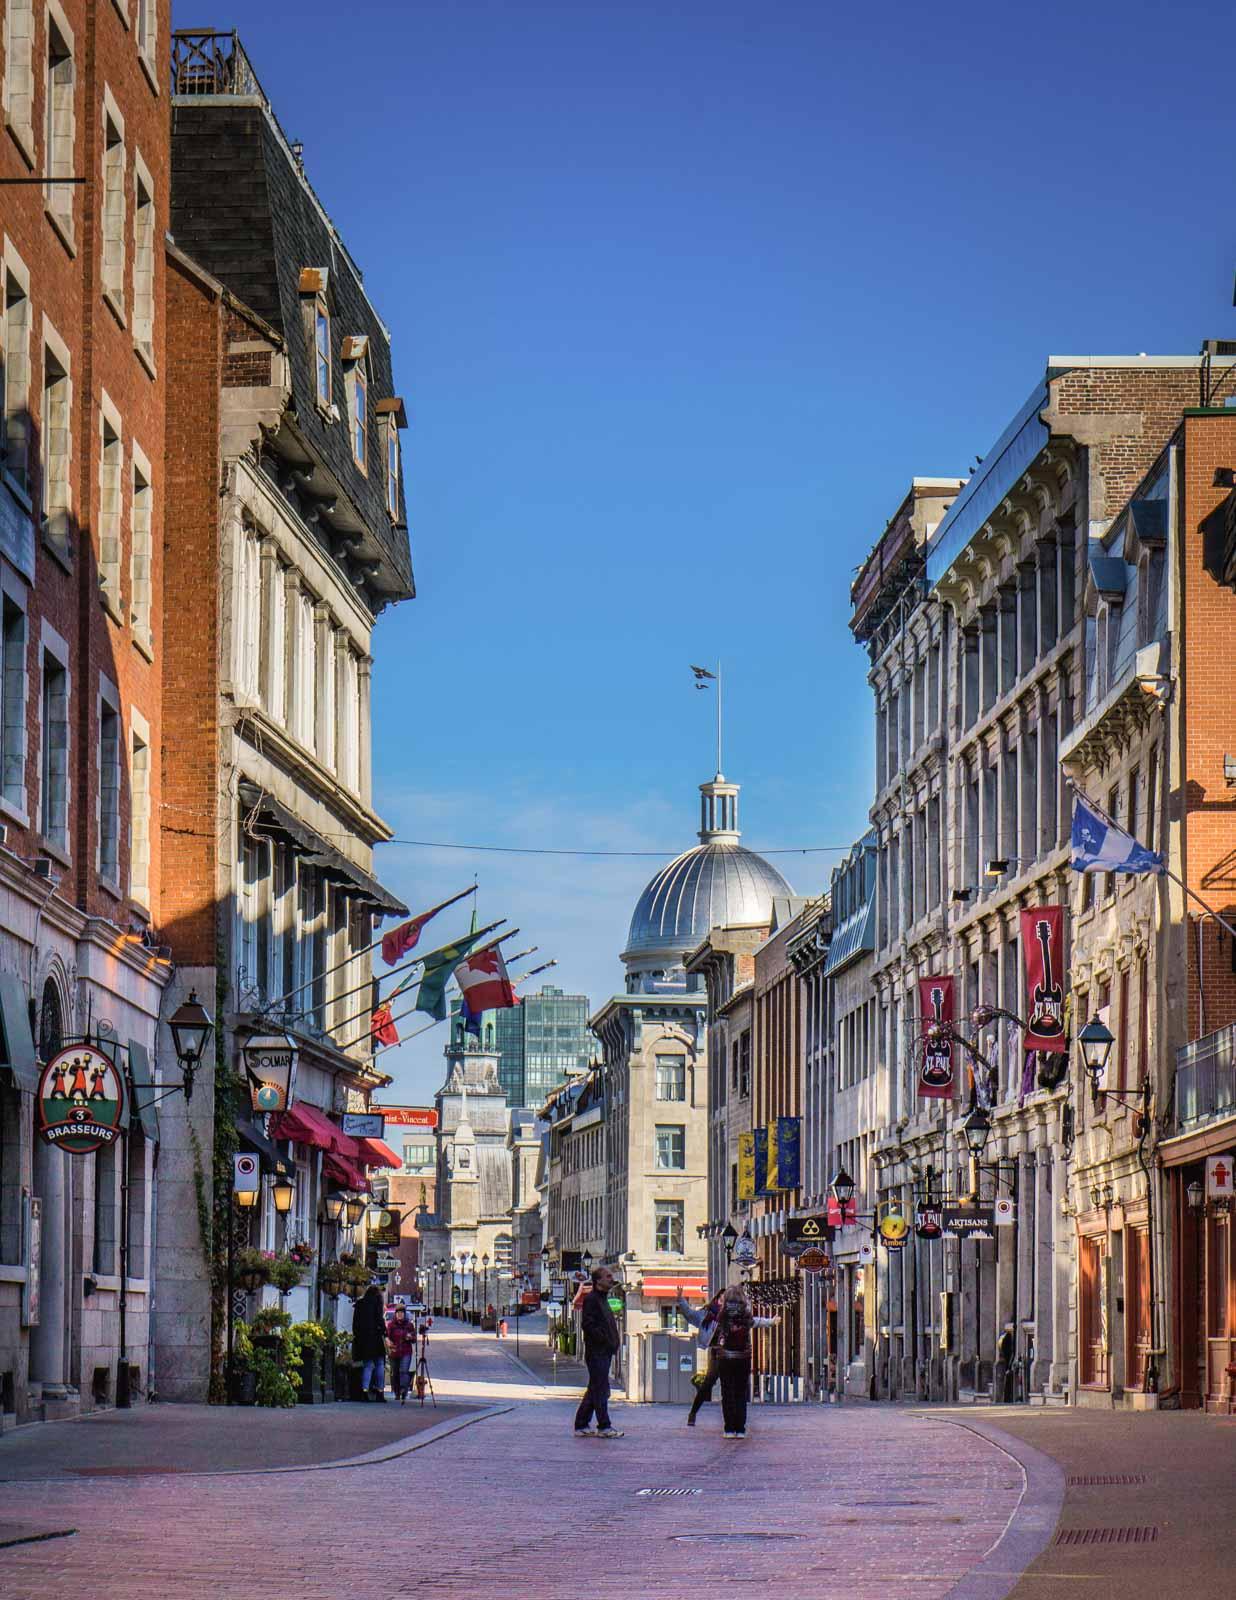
point(393, 417)
point(313, 290)
point(356, 364)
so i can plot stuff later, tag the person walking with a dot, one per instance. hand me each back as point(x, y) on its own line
point(706, 1322)
point(732, 1343)
point(369, 1342)
point(601, 1344)
point(401, 1337)
point(503, 1327)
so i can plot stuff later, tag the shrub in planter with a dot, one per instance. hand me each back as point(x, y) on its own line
point(270, 1319)
point(286, 1274)
point(303, 1344)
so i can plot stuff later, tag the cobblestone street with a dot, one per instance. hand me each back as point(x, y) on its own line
point(861, 1502)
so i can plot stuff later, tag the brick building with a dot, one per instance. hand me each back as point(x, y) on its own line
point(83, 359)
point(283, 461)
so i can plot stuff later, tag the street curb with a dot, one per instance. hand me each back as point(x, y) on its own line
point(524, 1367)
point(37, 1538)
point(1028, 1531)
point(388, 1452)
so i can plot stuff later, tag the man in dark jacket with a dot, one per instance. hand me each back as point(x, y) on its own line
point(369, 1342)
point(601, 1344)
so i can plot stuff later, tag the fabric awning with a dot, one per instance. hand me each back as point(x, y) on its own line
point(145, 1109)
point(265, 814)
point(305, 1124)
point(694, 1286)
point(17, 1039)
point(345, 1173)
point(374, 1153)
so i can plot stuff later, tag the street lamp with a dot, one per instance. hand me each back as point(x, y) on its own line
point(353, 1210)
point(485, 1291)
point(976, 1130)
point(1196, 1195)
point(842, 1189)
point(475, 1318)
point(191, 1027)
point(729, 1237)
point(586, 1261)
point(1096, 1044)
point(333, 1205)
point(283, 1192)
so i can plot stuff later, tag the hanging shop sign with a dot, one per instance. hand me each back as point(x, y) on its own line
point(744, 1250)
point(977, 1221)
point(383, 1226)
point(1042, 948)
point(927, 1222)
point(839, 1217)
point(364, 1124)
point(1005, 1210)
point(812, 1259)
point(270, 1061)
point(1219, 1177)
point(937, 1001)
point(808, 1230)
point(893, 1227)
point(408, 1116)
point(80, 1100)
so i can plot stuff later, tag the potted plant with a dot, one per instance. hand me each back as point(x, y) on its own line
point(244, 1379)
point(331, 1280)
point(343, 1365)
point(286, 1273)
point(252, 1268)
point(304, 1343)
point(267, 1328)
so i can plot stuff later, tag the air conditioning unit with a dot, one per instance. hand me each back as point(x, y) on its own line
point(43, 868)
point(4, 833)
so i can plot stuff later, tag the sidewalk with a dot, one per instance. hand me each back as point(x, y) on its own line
point(156, 1439)
point(1147, 1511)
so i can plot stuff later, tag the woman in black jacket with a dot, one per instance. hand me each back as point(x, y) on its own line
point(369, 1342)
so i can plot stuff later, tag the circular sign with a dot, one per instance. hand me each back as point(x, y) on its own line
point(812, 1259)
point(894, 1226)
point(81, 1100)
point(245, 1166)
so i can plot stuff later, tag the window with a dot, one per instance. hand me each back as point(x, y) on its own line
point(13, 705)
point(669, 1226)
point(392, 468)
point(744, 1065)
point(671, 1078)
point(140, 552)
point(671, 1147)
point(15, 381)
point(54, 796)
point(360, 416)
point(109, 792)
point(113, 208)
point(139, 810)
point(60, 130)
point(143, 254)
point(105, 1210)
point(56, 445)
point(321, 350)
point(147, 31)
point(246, 644)
point(416, 1156)
point(111, 458)
point(19, 71)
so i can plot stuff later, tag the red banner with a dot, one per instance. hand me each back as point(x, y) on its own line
point(936, 1003)
point(838, 1219)
point(1042, 945)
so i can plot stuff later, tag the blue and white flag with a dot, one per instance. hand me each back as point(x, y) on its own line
point(1100, 846)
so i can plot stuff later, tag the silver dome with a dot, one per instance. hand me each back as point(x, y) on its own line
point(710, 886)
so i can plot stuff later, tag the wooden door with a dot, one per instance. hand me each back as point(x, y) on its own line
point(1218, 1311)
point(1092, 1307)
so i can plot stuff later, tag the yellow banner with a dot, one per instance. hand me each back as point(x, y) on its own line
point(746, 1166)
point(771, 1181)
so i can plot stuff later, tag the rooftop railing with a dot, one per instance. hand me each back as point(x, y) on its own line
point(1206, 1079)
point(205, 62)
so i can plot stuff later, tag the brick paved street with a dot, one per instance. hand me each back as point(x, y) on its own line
point(869, 1503)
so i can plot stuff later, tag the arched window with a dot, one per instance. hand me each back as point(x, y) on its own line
point(51, 1021)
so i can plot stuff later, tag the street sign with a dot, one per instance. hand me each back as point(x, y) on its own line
point(408, 1116)
point(1219, 1177)
point(364, 1124)
point(866, 1253)
point(383, 1226)
point(808, 1230)
point(977, 1221)
point(1006, 1211)
point(812, 1259)
point(927, 1222)
point(386, 1262)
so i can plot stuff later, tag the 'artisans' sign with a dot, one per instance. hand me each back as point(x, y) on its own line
point(977, 1221)
point(80, 1100)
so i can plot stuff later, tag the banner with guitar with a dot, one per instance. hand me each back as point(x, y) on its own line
point(936, 1003)
point(1042, 944)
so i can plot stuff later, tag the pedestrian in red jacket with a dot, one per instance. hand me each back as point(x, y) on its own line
point(401, 1337)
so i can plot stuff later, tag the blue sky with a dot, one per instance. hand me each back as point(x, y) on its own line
point(682, 295)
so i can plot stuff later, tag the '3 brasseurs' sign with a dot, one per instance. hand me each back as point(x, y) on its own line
point(80, 1100)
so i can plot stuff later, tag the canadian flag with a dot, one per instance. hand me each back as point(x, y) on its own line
point(483, 981)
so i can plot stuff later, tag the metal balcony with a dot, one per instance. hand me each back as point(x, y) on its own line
point(205, 62)
point(1206, 1079)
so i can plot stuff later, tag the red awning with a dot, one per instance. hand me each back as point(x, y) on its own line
point(305, 1124)
point(345, 1173)
point(376, 1154)
point(695, 1288)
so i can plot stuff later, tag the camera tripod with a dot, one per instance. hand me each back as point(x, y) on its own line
point(421, 1380)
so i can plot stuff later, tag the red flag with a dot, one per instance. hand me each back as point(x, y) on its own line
point(382, 1026)
point(837, 1218)
point(1042, 948)
point(935, 1069)
point(400, 940)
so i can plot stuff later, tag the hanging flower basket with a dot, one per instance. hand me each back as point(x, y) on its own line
point(286, 1274)
point(252, 1268)
point(330, 1280)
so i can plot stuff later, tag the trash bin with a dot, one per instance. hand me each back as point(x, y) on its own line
point(669, 1366)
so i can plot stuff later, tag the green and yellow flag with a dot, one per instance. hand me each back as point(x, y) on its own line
point(439, 964)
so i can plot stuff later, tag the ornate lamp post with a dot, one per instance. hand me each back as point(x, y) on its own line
point(191, 1026)
point(485, 1291)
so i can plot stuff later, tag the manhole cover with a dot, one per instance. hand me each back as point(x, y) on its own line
point(1107, 1536)
point(1123, 1480)
point(659, 1493)
point(734, 1538)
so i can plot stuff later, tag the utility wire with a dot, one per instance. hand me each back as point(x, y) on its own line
point(657, 855)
